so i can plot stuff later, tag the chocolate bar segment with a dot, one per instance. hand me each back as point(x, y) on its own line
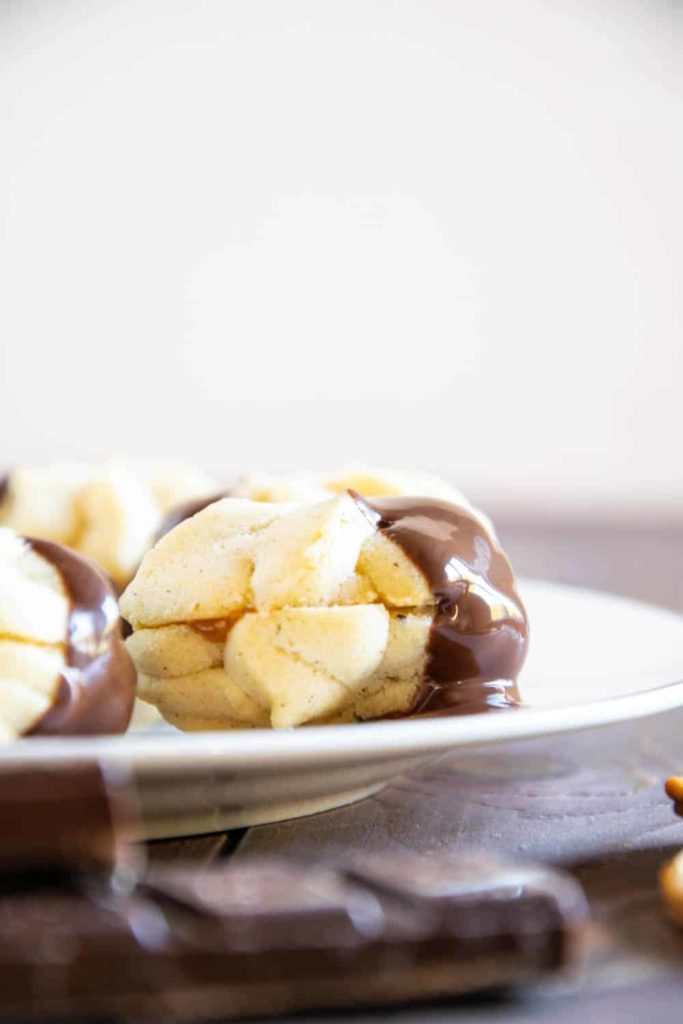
point(262, 938)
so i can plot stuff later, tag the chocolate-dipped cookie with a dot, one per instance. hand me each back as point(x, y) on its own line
point(108, 512)
point(371, 481)
point(63, 666)
point(300, 487)
point(257, 614)
point(186, 510)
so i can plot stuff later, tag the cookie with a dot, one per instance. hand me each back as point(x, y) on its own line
point(63, 666)
point(109, 513)
point(307, 487)
point(269, 614)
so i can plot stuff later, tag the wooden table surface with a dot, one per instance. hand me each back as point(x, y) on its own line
point(592, 803)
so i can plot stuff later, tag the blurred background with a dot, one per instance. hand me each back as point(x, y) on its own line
point(441, 235)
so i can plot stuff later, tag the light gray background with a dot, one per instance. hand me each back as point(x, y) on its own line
point(440, 234)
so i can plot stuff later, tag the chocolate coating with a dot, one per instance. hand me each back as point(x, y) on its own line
point(479, 636)
point(97, 685)
point(186, 511)
point(4, 486)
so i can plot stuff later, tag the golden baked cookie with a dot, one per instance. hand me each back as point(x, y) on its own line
point(108, 512)
point(266, 614)
point(307, 487)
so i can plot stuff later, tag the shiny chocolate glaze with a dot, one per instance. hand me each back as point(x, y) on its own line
point(185, 511)
point(97, 685)
point(479, 634)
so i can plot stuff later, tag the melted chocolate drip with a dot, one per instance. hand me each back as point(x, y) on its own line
point(479, 634)
point(186, 511)
point(97, 686)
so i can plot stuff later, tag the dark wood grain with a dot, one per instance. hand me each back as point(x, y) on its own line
point(568, 800)
point(592, 802)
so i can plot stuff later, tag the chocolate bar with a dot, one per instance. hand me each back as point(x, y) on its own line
point(255, 937)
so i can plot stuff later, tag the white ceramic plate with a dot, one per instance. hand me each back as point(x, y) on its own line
point(595, 659)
